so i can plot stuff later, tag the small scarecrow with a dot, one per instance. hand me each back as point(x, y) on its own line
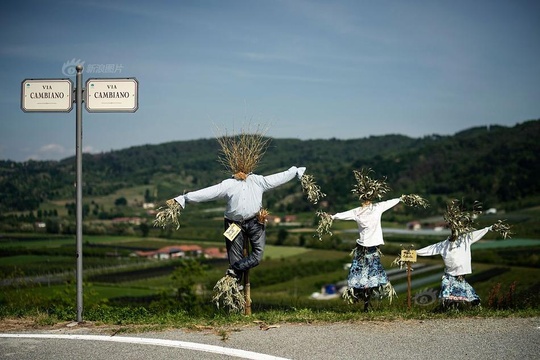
point(456, 252)
point(244, 217)
point(367, 276)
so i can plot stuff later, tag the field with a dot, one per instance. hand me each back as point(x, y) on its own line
point(38, 272)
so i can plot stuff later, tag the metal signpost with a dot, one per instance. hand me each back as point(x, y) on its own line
point(102, 95)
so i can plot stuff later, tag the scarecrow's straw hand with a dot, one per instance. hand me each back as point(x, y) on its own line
point(325, 223)
point(313, 191)
point(502, 228)
point(168, 215)
point(398, 262)
point(414, 200)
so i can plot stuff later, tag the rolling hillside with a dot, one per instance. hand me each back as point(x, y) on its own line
point(496, 165)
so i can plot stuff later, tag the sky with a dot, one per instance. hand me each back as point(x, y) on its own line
point(302, 69)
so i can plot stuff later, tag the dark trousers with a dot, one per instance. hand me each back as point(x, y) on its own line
point(253, 231)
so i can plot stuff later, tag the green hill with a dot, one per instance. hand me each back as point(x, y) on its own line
point(496, 165)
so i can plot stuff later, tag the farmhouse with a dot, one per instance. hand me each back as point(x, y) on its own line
point(173, 251)
point(183, 251)
point(127, 220)
point(281, 220)
point(215, 253)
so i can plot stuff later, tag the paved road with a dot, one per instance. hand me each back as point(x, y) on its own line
point(472, 338)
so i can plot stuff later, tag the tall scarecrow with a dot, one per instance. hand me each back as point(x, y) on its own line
point(456, 252)
point(367, 276)
point(244, 217)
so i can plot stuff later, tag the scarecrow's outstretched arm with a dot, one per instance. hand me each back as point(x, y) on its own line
point(478, 234)
point(275, 180)
point(431, 250)
point(210, 193)
point(170, 214)
point(346, 215)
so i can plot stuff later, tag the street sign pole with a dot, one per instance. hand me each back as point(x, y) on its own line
point(55, 95)
point(78, 98)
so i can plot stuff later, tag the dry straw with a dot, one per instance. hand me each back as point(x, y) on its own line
point(386, 290)
point(367, 188)
point(227, 294)
point(502, 228)
point(414, 200)
point(262, 216)
point(240, 154)
point(348, 295)
point(312, 190)
point(325, 223)
point(460, 221)
point(168, 215)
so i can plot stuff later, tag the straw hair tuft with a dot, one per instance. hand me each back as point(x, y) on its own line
point(459, 220)
point(367, 188)
point(240, 154)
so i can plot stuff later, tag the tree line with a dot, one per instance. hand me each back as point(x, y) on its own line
point(497, 165)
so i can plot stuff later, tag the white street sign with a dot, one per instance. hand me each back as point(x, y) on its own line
point(54, 95)
point(112, 95)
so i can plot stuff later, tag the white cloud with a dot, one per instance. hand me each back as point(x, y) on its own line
point(52, 149)
point(48, 152)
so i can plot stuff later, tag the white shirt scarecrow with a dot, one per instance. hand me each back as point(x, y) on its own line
point(367, 276)
point(456, 253)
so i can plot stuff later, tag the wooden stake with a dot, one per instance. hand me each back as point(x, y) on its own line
point(247, 285)
point(409, 285)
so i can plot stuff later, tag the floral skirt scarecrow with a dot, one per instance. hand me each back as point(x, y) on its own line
point(367, 277)
point(457, 289)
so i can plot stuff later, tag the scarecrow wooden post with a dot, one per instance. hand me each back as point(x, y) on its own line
point(408, 256)
point(247, 285)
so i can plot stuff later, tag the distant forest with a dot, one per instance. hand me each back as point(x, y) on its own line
point(497, 165)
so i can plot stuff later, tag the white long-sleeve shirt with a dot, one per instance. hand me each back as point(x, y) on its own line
point(456, 254)
point(368, 219)
point(244, 197)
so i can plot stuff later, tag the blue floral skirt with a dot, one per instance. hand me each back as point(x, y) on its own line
point(366, 269)
point(455, 288)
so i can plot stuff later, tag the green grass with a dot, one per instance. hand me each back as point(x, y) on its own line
point(140, 319)
point(11, 241)
point(278, 252)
